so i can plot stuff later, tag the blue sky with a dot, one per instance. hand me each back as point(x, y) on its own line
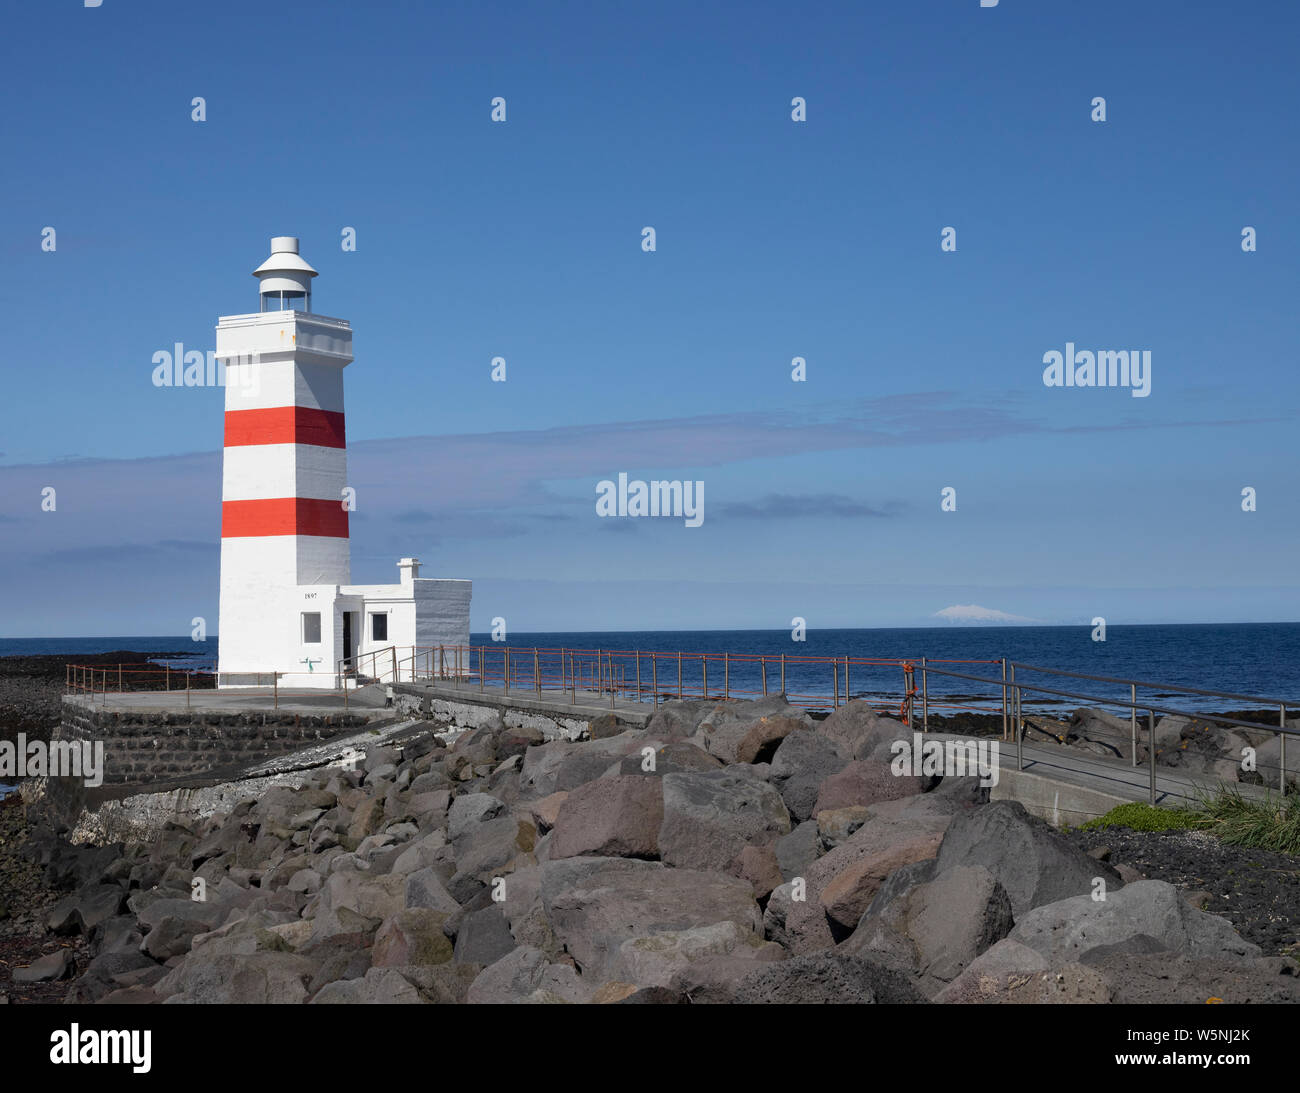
point(775, 239)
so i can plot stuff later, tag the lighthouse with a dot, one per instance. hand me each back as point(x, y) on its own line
point(287, 604)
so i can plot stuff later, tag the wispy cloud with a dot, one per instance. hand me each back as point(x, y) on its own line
point(785, 506)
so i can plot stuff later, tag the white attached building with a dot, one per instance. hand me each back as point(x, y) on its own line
point(287, 602)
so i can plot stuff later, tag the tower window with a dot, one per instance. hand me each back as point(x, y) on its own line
point(311, 627)
point(379, 627)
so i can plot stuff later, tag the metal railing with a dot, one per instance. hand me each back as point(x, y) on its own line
point(814, 682)
point(101, 680)
point(1013, 689)
point(641, 675)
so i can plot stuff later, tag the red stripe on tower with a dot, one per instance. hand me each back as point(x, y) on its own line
point(285, 425)
point(284, 516)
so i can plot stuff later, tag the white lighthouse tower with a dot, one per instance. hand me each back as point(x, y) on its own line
point(287, 602)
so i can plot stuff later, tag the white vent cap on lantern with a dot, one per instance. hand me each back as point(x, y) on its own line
point(284, 271)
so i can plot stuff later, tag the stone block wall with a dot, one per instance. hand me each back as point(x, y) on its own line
point(144, 746)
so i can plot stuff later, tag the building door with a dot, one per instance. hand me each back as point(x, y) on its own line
point(347, 635)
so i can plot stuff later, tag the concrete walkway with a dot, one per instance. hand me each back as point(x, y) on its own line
point(1068, 786)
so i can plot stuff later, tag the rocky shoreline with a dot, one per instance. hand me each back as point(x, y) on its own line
point(727, 852)
point(739, 852)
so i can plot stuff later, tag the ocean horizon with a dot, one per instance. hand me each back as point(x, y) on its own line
point(1259, 659)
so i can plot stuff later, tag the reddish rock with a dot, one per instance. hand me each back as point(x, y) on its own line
point(610, 817)
point(864, 782)
point(547, 810)
point(760, 742)
point(759, 866)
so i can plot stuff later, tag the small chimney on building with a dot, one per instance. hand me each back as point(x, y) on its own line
point(409, 568)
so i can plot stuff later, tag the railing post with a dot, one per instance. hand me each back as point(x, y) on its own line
point(925, 698)
point(119, 678)
point(846, 680)
point(119, 671)
point(505, 667)
point(481, 669)
point(638, 675)
point(704, 668)
point(613, 685)
point(835, 681)
point(187, 689)
point(783, 673)
point(1133, 720)
point(1004, 698)
point(762, 664)
point(393, 650)
point(275, 688)
point(726, 676)
point(1151, 750)
point(679, 676)
point(537, 673)
point(1281, 748)
point(654, 679)
point(1016, 723)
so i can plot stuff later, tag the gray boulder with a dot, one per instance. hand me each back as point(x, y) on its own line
point(942, 925)
point(840, 885)
point(1031, 861)
point(237, 978)
point(709, 818)
point(1144, 917)
point(672, 757)
point(84, 910)
point(749, 732)
point(657, 960)
point(796, 851)
point(483, 937)
point(801, 764)
point(470, 810)
point(526, 975)
point(379, 986)
point(825, 978)
point(45, 969)
point(593, 905)
point(857, 730)
point(1009, 972)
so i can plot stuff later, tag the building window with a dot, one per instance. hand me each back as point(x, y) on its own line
point(378, 627)
point(311, 627)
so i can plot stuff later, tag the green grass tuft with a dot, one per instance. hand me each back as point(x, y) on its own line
point(1264, 823)
point(1267, 823)
point(1143, 817)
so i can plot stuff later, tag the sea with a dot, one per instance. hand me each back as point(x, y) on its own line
point(1258, 659)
